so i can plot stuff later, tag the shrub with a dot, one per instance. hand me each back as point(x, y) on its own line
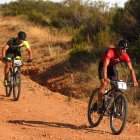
point(37, 17)
point(78, 55)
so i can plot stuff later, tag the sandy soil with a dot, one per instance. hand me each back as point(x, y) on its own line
point(44, 115)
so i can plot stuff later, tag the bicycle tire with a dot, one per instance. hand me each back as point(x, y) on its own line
point(118, 112)
point(17, 85)
point(92, 102)
point(8, 88)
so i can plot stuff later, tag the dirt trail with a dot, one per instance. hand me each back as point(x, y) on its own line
point(43, 115)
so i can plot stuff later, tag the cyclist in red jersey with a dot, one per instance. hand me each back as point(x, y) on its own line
point(107, 67)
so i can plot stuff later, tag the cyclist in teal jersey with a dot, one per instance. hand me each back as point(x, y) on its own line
point(107, 67)
point(12, 49)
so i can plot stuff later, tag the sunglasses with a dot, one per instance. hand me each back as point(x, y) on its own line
point(124, 48)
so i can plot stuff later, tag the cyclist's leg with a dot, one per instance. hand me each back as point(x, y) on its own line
point(101, 92)
point(7, 67)
point(113, 74)
point(103, 85)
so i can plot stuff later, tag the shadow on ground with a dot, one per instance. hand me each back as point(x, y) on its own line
point(56, 124)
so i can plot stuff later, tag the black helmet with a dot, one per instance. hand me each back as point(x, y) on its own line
point(22, 35)
point(122, 44)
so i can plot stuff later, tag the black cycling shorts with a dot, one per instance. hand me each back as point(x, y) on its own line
point(10, 54)
point(111, 72)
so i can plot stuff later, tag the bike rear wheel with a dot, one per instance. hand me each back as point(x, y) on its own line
point(8, 88)
point(118, 114)
point(17, 85)
point(94, 118)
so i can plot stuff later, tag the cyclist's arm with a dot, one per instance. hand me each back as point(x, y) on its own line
point(132, 73)
point(29, 53)
point(4, 49)
point(27, 46)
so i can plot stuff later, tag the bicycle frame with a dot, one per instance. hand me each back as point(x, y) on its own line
point(15, 65)
point(114, 105)
point(15, 80)
point(115, 87)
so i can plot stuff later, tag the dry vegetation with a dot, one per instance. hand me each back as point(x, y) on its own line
point(51, 68)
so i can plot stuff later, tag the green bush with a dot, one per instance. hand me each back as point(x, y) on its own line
point(91, 17)
point(79, 56)
point(80, 36)
point(37, 17)
point(103, 39)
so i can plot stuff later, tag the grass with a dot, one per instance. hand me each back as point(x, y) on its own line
point(134, 113)
point(37, 36)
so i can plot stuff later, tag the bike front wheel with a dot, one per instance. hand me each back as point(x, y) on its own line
point(8, 90)
point(118, 114)
point(17, 85)
point(94, 118)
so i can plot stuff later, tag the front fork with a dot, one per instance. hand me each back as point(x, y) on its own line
point(13, 71)
point(11, 76)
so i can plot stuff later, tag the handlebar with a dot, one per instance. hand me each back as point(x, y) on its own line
point(19, 62)
point(121, 84)
point(116, 81)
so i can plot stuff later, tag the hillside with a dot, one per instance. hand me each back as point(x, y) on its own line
point(43, 113)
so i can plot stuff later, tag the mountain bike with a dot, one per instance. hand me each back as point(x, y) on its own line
point(114, 105)
point(14, 83)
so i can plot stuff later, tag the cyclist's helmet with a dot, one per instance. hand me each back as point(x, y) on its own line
point(22, 35)
point(122, 44)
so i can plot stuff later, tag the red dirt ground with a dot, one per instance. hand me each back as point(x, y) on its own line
point(44, 115)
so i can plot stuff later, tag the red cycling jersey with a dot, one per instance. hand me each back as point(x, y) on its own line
point(114, 57)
